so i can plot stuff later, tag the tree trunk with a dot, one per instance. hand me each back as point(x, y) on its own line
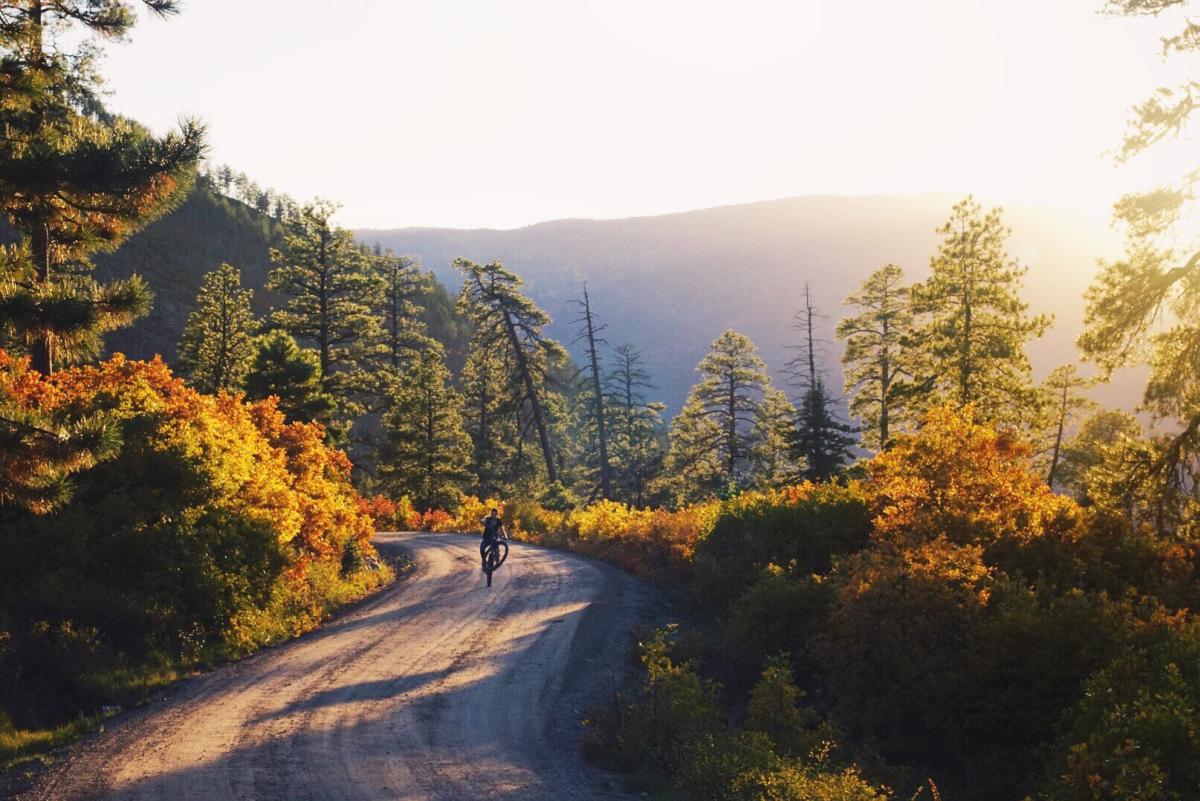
point(324, 334)
point(731, 426)
point(531, 391)
point(605, 476)
point(1058, 438)
point(41, 350)
point(885, 385)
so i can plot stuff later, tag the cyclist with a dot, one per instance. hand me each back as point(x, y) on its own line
point(493, 528)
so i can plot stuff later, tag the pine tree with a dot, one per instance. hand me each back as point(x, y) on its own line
point(775, 463)
point(218, 340)
point(637, 451)
point(589, 334)
point(973, 325)
point(39, 452)
point(714, 439)
point(425, 451)
point(292, 374)
point(402, 283)
point(331, 300)
point(875, 356)
point(1142, 308)
point(694, 467)
point(1063, 405)
point(75, 180)
point(486, 416)
point(820, 441)
point(508, 321)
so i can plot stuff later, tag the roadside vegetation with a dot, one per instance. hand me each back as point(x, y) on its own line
point(980, 587)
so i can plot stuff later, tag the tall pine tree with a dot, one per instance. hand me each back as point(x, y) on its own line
point(75, 180)
point(589, 334)
point(1063, 406)
point(425, 451)
point(875, 358)
point(509, 322)
point(487, 399)
point(217, 345)
point(637, 427)
point(820, 441)
point(332, 297)
point(403, 329)
point(1142, 309)
point(283, 369)
point(973, 324)
point(717, 440)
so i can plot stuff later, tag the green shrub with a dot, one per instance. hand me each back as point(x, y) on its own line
point(801, 529)
point(779, 612)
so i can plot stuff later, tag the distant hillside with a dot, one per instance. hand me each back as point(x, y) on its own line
point(670, 284)
point(175, 252)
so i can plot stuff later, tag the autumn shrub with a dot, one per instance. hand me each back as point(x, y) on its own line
point(799, 782)
point(391, 515)
point(963, 481)
point(438, 520)
point(179, 548)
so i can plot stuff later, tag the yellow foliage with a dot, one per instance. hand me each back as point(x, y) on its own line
point(958, 479)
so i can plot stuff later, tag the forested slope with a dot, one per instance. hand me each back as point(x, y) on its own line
point(672, 283)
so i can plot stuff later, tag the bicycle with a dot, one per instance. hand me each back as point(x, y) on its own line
point(493, 558)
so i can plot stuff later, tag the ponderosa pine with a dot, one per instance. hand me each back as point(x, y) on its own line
point(217, 345)
point(75, 180)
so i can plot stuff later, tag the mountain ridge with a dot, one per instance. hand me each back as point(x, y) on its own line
point(672, 282)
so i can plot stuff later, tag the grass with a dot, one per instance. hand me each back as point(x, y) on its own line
point(19, 746)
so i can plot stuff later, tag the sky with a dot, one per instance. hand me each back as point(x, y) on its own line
point(502, 113)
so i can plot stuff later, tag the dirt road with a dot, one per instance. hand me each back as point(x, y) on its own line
point(440, 688)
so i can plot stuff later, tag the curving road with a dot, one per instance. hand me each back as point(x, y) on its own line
point(439, 688)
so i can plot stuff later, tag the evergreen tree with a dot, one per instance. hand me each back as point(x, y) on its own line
point(1063, 404)
point(487, 417)
point(637, 450)
point(509, 322)
point(820, 441)
point(875, 355)
point(75, 180)
point(331, 300)
point(716, 439)
point(1143, 308)
point(589, 334)
point(292, 374)
point(218, 340)
point(973, 325)
point(404, 330)
point(425, 451)
point(40, 452)
point(694, 467)
point(775, 463)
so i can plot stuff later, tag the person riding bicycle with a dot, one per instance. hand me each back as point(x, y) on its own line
point(493, 529)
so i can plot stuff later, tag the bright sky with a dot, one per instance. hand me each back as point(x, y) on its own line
point(501, 113)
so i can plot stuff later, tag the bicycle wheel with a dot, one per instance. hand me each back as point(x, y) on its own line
point(490, 564)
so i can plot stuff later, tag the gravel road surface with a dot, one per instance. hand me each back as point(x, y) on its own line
point(438, 688)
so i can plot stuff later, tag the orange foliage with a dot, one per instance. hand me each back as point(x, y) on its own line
point(390, 515)
point(964, 481)
point(246, 459)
